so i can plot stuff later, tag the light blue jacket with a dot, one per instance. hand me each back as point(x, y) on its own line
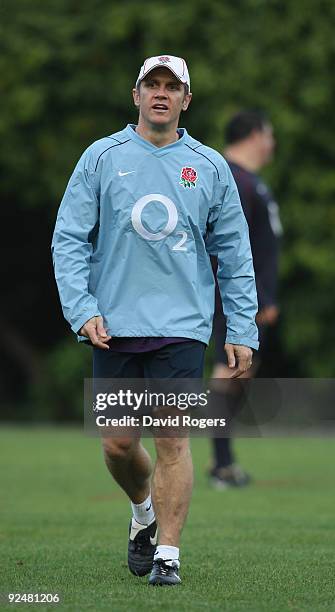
point(133, 236)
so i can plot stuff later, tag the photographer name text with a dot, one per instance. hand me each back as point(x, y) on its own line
point(149, 421)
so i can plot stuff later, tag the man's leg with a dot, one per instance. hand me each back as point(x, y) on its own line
point(225, 472)
point(228, 395)
point(172, 487)
point(173, 475)
point(223, 453)
point(125, 457)
point(130, 465)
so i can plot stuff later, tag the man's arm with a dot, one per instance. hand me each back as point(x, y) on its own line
point(71, 248)
point(228, 239)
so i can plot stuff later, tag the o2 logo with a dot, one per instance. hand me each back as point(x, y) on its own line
point(136, 219)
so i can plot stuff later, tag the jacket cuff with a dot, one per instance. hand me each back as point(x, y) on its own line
point(83, 319)
point(243, 340)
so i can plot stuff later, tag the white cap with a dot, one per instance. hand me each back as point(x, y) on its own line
point(177, 65)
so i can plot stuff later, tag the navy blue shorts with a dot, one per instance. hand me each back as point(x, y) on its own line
point(179, 360)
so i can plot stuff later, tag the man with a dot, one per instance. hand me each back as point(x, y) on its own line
point(249, 147)
point(142, 211)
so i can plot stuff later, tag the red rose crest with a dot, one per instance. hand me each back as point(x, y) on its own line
point(164, 59)
point(188, 177)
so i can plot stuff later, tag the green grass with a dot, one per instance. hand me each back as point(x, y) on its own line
point(267, 548)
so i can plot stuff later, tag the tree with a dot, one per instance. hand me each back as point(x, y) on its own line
point(66, 71)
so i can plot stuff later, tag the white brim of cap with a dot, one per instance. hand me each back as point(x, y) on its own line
point(159, 65)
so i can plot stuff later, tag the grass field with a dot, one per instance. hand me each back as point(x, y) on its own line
point(270, 547)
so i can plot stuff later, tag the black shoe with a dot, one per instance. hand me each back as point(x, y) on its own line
point(163, 574)
point(230, 476)
point(141, 547)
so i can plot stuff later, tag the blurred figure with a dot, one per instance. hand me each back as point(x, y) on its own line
point(249, 147)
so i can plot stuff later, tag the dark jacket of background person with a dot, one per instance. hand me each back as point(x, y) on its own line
point(265, 229)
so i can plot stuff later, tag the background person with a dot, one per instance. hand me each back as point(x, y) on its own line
point(249, 147)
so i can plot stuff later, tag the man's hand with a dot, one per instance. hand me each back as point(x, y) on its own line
point(267, 315)
point(95, 331)
point(239, 358)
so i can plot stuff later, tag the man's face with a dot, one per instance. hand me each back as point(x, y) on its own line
point(265, 143)
point(161, 98)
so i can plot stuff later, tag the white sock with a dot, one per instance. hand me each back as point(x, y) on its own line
point(144, 512)
point(167, 553)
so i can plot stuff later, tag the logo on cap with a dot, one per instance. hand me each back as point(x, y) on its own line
point(164, 59)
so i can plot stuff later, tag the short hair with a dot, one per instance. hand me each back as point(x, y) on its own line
point(243, 124)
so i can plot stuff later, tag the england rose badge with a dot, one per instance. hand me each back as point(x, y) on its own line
point(188, 177)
